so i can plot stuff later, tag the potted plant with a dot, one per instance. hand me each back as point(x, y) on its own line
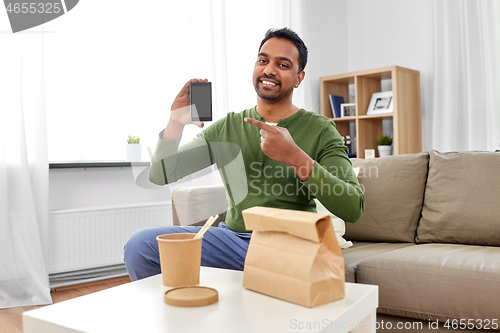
point(134, 149)
point(384, 145)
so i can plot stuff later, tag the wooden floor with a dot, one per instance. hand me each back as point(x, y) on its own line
point(11, 319)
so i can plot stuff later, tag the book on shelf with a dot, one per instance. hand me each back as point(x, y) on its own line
point(335, 102)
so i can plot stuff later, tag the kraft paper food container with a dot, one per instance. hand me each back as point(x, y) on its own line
point(294, 256)
point(180, 259)
point(192, 296)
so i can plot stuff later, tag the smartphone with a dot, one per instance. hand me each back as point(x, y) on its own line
point(201, 97)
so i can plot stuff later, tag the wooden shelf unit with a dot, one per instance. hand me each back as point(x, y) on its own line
point(406, 115)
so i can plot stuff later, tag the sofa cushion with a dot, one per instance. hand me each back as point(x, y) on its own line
point(394, 192)
point(193, 205)
point(461, 203)
point(436, 281)
point(362, 250)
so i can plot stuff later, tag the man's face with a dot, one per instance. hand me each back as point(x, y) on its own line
point(276, 71)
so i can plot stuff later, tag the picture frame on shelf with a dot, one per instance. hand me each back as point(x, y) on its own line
point(369, 153)
point(347, 110)
point(381, 103)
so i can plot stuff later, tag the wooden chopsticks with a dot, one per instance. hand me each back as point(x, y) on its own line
point(205, 227)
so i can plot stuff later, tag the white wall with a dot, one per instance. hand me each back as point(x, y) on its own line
point(79, 188)
point(389, 32)
point(326, 37)
point(99, 187)
point(346, 36)
point(394, 32)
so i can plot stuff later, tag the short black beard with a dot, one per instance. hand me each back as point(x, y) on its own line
point(272, 99)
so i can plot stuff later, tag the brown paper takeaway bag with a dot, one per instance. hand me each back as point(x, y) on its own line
point(293, 255)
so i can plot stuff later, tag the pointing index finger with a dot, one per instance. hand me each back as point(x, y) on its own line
point(259, 124)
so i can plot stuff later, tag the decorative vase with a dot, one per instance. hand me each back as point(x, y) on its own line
point(384, 151)
point(134, 152)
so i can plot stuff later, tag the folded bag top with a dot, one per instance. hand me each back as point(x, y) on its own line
point(293, 255)
point(298, 223)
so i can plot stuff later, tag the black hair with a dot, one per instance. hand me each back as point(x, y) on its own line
point(289, 34)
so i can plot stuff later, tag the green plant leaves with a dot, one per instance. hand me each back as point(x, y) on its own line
point(385, 140)
point(133, 139)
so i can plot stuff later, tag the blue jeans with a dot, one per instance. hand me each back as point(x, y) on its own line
point(221, 248)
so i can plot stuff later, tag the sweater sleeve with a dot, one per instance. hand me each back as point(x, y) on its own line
point(333, 181)
point(171, 163)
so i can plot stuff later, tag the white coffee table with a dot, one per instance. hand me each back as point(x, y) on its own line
point(139, 307)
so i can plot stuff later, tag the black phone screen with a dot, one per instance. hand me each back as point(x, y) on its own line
point(201, 97)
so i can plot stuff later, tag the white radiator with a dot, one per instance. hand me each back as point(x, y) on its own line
point(81, 240)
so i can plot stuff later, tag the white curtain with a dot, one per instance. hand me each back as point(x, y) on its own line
point(466, 98)
point(23, 172)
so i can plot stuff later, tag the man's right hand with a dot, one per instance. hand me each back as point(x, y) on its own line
point(180, 111)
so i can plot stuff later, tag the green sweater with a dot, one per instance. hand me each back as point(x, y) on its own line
point(253, 179)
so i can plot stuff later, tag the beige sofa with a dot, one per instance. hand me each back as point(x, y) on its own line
point(429, 236)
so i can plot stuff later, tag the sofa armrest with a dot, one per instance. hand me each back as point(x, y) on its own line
point(195, 204)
